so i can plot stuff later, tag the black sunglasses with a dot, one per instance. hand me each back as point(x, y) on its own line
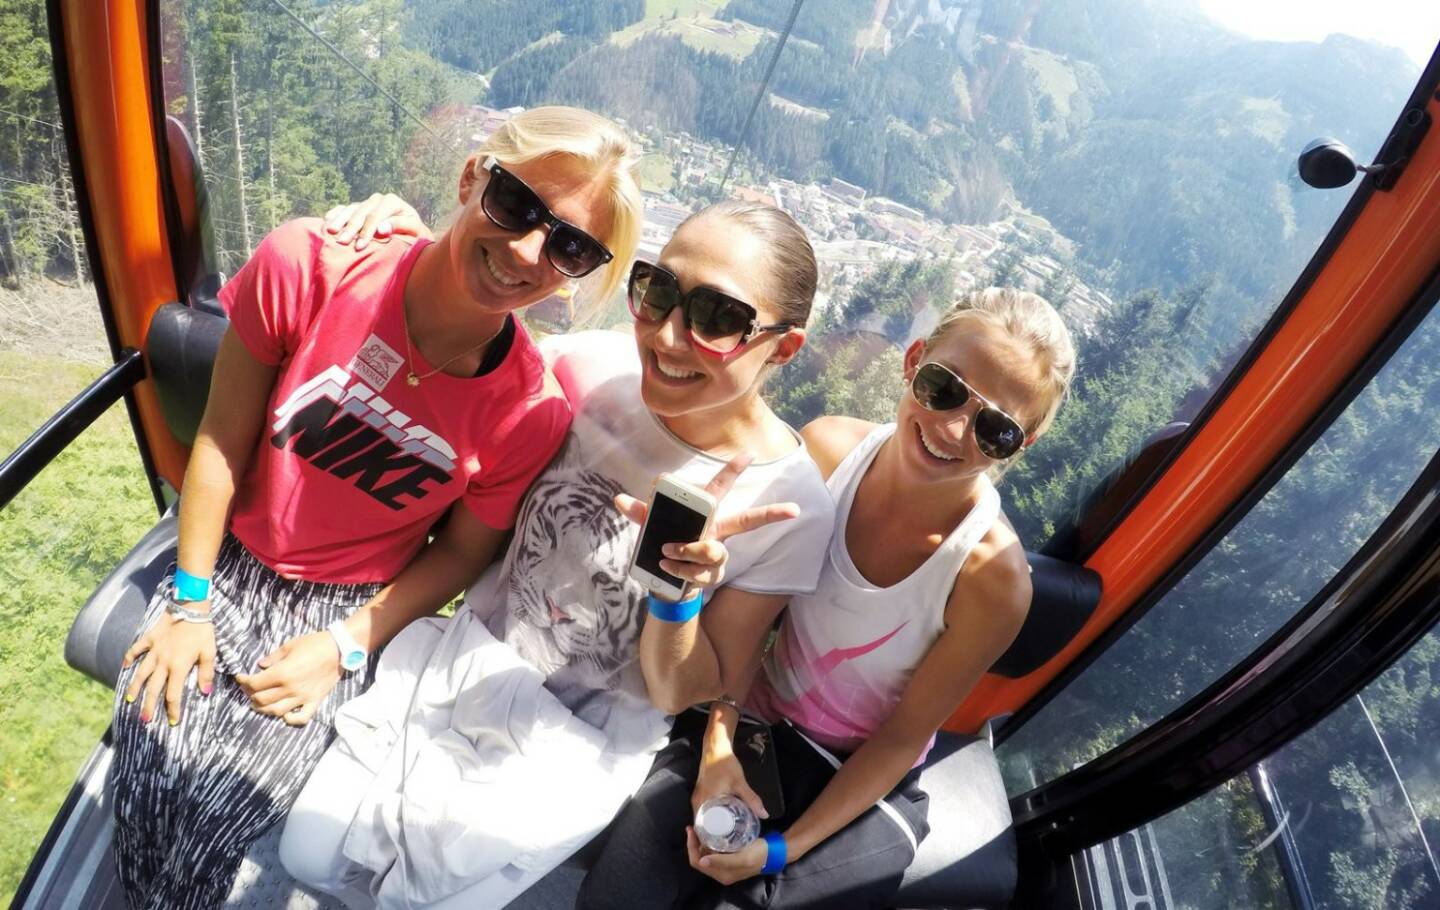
point(512, 205)
point(997, 434)
point(717, 323)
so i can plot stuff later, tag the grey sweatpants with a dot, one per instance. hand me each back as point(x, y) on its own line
point(191, 799)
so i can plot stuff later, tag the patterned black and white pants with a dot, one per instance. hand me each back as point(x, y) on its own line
point(191, 799)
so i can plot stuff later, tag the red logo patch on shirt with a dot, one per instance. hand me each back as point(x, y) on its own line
point(376, 362)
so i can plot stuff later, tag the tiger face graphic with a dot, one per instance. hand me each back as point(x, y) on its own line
point(571, 604)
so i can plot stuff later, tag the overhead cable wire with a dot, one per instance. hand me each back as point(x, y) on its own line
point(1400, 781)
point(26, 183)
point(761, 92)
point(358, 71)
point(31, 119)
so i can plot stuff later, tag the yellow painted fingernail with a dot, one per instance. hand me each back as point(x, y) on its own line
point(174, 721)
point(129, 699)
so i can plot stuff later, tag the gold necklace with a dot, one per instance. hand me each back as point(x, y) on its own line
point(411, 379)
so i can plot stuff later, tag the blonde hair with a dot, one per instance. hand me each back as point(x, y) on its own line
point(792, 274)
point(592, 144)
point(1031, 322)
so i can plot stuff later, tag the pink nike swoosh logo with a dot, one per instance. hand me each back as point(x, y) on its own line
point(808, 700)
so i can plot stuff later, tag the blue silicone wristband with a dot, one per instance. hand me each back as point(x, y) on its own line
point(190, 587)
point(775, 853)
point(684, 611)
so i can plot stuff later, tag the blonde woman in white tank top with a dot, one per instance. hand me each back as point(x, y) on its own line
point(924, 587)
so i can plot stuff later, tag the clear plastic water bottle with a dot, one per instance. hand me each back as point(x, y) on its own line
point(725, 824)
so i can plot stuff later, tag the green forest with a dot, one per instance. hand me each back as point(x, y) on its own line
point(1157, 144)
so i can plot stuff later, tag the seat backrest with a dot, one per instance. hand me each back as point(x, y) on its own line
point(191, 234)
point(182, 340)
point(180, 349)
point(1064, 597)
point(1066, 593)
point(1113, 494)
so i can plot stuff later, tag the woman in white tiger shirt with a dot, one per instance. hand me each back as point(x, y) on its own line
point(495, 743)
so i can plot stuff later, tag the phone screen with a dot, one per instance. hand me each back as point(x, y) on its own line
point(669, 522)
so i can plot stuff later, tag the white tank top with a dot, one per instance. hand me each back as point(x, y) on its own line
point(845, 654)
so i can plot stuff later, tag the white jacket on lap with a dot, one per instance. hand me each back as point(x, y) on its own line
point(479, 766)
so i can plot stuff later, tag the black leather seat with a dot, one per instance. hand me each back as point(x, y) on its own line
point(969, 858)
point(110, 618)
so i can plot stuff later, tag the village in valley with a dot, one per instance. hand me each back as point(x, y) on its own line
point(853, 232)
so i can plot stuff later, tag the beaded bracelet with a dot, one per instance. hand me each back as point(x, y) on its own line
point(728, 702)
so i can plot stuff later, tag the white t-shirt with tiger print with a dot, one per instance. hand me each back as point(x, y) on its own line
point(562, 598)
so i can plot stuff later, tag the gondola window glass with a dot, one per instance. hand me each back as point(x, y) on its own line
point(62, 534)
point(1266, 568)
point(1346, 817)
point(1209, 855)
point(1132, 162)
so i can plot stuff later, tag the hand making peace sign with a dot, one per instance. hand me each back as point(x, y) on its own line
point(702, 563)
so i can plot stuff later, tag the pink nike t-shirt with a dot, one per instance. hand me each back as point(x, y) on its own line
point(354, 465)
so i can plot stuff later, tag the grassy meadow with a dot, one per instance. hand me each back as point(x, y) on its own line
point(657, 172)
point(58, 538)
point(692, 22)
point(670, 9)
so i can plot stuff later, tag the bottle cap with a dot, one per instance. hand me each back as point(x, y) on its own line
point(718, 821)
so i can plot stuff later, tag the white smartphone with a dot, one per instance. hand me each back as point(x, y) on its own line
point(679, 513)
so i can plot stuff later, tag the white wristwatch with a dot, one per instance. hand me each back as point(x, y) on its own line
point(352, 656)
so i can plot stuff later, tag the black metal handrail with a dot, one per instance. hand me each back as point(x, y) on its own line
point(69, 422)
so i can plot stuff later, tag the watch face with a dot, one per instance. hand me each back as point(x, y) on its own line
point(353, 660)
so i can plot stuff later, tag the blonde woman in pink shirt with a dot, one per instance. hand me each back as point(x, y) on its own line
point(924, 587)
point(358, 397)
